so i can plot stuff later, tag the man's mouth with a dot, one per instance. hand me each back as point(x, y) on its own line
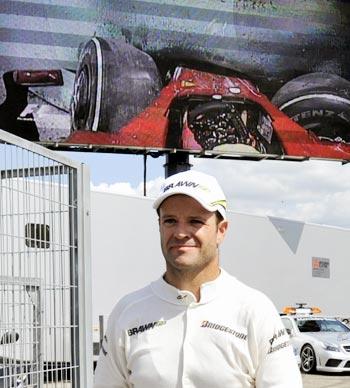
point(180, 246)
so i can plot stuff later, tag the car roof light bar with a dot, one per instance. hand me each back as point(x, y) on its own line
point(301, 310)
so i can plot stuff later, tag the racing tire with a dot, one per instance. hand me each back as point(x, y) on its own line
point(319, 102)
point(114, 82)
point(308, 359)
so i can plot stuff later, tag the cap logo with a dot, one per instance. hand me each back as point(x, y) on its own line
point(180, 183)
point(201, 187)
point(221, 202)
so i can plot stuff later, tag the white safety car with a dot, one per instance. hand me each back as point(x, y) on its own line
point(322, 342)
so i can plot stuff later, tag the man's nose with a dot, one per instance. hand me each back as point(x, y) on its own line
point(181, 230)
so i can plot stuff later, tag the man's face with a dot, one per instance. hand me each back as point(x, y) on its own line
point(190, 235)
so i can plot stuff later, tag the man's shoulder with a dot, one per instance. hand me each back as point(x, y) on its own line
point(246, 294)
point(132, 299)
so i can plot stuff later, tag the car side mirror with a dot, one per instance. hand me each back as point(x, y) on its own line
point(289, 331)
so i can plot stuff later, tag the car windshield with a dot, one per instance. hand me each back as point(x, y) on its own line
point(314, 325)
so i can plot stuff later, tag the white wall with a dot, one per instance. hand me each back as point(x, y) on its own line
point(258, 254)
point(125, 248)
point(270, 254)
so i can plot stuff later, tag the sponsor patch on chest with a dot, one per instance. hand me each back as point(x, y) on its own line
point(216, 326)
point(145, 327)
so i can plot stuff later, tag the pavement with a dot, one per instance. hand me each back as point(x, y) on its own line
point(326, 380)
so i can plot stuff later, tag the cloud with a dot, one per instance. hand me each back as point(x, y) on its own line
point(313, 191)
point(118, 187)
point(153, 186)
point(125, 188)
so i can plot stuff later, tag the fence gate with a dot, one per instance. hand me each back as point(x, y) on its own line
point(45, 324)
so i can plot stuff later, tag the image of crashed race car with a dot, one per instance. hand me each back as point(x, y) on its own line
point(99, 67)
point(200, 111)
point(196, 111)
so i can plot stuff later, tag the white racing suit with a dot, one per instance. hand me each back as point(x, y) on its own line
point(161, 337)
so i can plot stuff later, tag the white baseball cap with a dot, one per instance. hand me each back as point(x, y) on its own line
point(204, 188)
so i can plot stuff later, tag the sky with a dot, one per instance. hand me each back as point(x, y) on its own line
point(315, 191)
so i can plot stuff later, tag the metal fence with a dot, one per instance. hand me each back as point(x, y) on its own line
point(45, 324)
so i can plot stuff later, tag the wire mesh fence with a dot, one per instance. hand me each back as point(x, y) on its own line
point(41, 285)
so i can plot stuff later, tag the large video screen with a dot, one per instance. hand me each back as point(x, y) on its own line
point(268, 78)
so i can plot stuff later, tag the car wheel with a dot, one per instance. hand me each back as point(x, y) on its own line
point(308, 359)
point(320, 102)
point(114, 82)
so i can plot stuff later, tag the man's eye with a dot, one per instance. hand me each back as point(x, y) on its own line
point(196, 222)
point(169, 221)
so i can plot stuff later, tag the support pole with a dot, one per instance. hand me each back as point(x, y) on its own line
point(144, 175)
point(177, 162)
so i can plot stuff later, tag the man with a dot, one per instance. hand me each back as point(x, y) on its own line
point(196, 326)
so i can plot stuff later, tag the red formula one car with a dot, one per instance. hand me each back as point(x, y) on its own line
point(199, 111)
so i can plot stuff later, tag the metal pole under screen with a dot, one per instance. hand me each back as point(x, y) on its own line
point(177, 162)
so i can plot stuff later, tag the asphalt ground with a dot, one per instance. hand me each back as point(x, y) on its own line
point(326, 380)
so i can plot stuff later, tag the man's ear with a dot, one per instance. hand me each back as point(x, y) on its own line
point(222, 228)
